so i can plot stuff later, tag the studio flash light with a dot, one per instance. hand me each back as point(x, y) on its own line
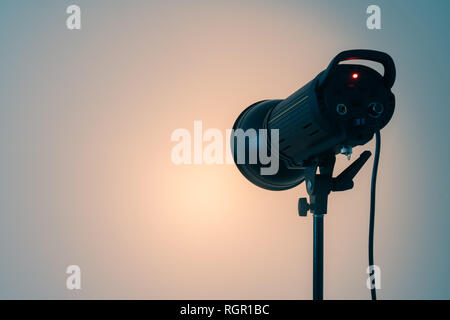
point(342, 107)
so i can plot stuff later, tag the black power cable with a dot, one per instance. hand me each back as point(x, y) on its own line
point(373, 184)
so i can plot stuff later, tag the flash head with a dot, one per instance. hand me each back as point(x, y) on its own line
point(342, 107)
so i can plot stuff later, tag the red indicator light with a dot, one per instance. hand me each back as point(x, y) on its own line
point(355, 76)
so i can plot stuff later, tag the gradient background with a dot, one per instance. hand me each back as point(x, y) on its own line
point(85, 170)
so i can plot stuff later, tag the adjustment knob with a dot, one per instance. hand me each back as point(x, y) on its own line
point(303, 207)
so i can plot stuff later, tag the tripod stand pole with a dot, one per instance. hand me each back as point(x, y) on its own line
point(319, 187)
point(318, 257)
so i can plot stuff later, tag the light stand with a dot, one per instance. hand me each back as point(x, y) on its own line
point(319, 187)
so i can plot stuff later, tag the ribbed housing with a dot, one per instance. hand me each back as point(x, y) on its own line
point(295, 118)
